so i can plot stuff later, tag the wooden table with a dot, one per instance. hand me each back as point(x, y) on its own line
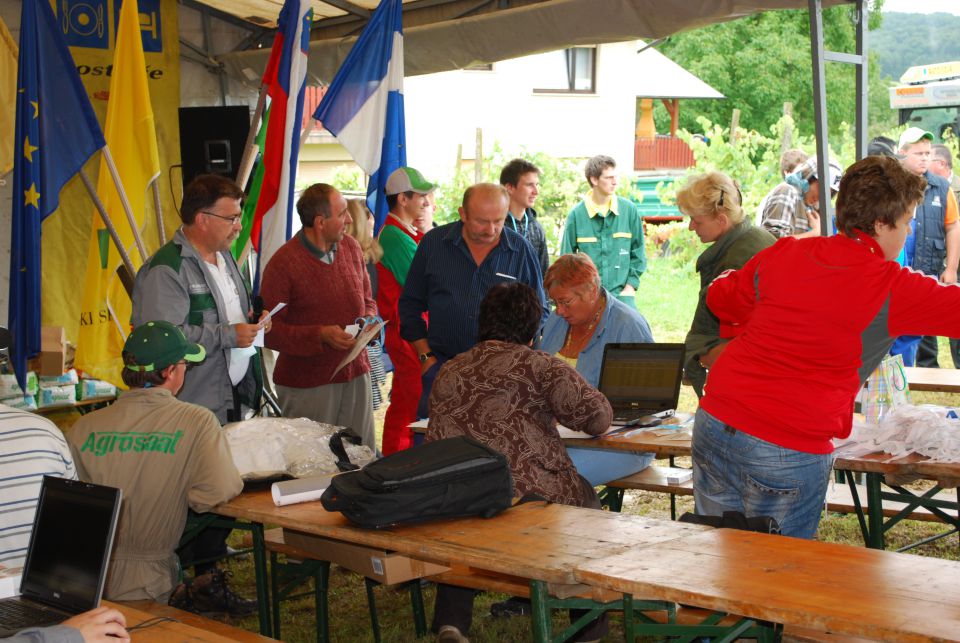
point(639, 441)
point(824, 586)
point(187, 626)
point(940, 380)
point(540, 543)
point(81, 406)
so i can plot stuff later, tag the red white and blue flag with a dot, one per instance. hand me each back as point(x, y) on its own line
point(285, 78)
point(363, 106)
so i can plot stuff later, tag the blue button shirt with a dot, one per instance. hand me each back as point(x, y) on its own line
point(445, 281)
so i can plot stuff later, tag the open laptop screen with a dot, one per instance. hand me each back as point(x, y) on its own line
point(71, 543)
point(642, 376)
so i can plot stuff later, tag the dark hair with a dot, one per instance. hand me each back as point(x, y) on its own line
point(315, 200)
point(509, 313)
point(139, 379)
point(203, 192)
point(595, 167)
point(393, 198)
point(876, 189)
point(942, 152)
point(512, 171)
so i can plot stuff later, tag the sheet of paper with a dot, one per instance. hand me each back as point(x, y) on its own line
point(369, 332)
point(258, 340)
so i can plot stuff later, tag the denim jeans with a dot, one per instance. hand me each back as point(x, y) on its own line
point(600, 466)
point(734, 471)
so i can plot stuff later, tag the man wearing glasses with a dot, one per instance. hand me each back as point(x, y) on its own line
point(194, 283)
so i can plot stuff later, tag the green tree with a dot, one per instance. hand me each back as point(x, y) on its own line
point(761, 61)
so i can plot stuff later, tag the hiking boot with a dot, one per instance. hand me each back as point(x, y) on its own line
point(514, 606)
point(210, 594)
point(180, 599)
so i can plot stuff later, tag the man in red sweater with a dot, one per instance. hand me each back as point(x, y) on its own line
point(321, 276)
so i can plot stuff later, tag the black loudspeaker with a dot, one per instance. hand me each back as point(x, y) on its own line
point(212, 139)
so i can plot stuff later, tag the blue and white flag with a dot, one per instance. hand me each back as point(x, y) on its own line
point(363, 106)
point(56, 132)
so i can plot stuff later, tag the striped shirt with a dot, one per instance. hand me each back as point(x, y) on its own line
point(30, 447)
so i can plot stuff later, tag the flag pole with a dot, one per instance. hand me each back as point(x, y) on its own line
point(249, 149)
point(158, 211)
point(108, 223)
point(124, 201)
point(306, 130)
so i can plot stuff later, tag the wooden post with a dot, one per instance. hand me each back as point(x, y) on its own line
point(478, 159)
point(734, 126)
point(787, 141)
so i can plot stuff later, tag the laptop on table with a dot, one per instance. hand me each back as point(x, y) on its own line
point(641, 381)
point(68, 555)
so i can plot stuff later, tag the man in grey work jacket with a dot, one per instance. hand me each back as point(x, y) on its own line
point(193, 282)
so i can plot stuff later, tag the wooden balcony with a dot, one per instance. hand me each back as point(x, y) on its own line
point(661, 153)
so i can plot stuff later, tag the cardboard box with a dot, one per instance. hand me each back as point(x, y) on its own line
point(52, 360)
point(384, 567)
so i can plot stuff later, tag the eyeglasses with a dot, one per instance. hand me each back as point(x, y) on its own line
point(234, 220)
point(564, 302)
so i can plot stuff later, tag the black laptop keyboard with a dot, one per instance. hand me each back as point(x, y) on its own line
point(17, 615)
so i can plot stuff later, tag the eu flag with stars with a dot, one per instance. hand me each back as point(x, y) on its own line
point(56, 133)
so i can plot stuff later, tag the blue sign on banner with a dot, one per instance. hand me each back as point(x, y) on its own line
point(149, 24)
point(84, 23)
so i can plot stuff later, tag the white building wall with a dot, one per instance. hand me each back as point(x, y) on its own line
point(445, 109)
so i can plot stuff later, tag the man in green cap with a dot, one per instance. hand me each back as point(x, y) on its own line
point(166, 455)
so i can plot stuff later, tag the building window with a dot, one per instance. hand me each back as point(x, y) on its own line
point(570, 71)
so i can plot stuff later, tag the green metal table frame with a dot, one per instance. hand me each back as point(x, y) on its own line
point(637, 623)
point(873, 524)
point(196, 524)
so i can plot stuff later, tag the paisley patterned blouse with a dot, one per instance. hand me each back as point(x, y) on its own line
point(511, 397)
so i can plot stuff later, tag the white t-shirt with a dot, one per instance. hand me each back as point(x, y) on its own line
point(239, 357)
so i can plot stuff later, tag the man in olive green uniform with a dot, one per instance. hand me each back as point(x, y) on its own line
point(165, 454)
point(609, 230)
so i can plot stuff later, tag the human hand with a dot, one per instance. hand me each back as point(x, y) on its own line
point(246, 334)
point(265, 321)
point(427, 364)
point(813, 218)
point(948, 276)
point(707, 359)
point(628, 291)
point(336, 337)
point(100, 625)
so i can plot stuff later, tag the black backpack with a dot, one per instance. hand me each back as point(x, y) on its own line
point(449, 478)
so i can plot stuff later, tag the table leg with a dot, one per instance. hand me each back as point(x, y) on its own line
point(875, 511)
point(260, 573)
point(539, 612)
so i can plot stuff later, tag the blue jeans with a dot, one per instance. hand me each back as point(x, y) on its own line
point(600, 466)
point(906, 346)
point(734, 471)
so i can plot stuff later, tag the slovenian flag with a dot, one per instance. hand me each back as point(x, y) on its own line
point(363, 106)
point(285, 78)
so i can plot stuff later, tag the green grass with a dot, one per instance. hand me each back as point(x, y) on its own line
point(667, 297)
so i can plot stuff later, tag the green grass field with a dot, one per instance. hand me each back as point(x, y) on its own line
point(667, 297)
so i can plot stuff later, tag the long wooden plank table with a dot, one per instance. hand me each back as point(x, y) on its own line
point(184, 626)
point(939, 380)
point(539, 542)
point(639, 441)
point(828, 587)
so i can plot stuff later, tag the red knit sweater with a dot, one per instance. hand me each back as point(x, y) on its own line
point(317, 295)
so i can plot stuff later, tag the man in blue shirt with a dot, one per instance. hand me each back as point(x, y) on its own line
point(454, 267)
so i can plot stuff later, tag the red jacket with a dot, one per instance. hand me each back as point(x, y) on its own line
point(811, 319)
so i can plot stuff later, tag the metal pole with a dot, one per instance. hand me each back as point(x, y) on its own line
point(860, 121)
point(820, 115)
point(128, 210)
point(108, 224)
point(158, 211)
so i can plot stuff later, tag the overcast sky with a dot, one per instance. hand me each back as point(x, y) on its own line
point(923, 6)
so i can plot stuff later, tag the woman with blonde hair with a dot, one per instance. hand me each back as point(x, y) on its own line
point(715, 206)
point(360, 228)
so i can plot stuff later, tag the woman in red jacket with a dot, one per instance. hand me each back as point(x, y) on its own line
point(810, 320)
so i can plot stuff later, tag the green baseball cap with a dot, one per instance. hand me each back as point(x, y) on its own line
point(407, 179)
point(158, 344)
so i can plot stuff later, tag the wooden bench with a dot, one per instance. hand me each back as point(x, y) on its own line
point(840, 500)
point(653, 478)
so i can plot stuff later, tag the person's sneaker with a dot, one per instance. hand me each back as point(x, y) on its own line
point(515, 606)
point(450, 634)
point(210, 594)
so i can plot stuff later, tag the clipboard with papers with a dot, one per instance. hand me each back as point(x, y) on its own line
point(368, 332)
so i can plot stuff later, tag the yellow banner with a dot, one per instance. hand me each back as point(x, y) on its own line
point(132, 140)
point(91, 27)
point(8, 97)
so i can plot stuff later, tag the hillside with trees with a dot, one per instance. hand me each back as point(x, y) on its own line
point(907, 39)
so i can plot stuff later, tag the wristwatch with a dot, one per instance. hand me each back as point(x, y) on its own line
point(425, 356)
